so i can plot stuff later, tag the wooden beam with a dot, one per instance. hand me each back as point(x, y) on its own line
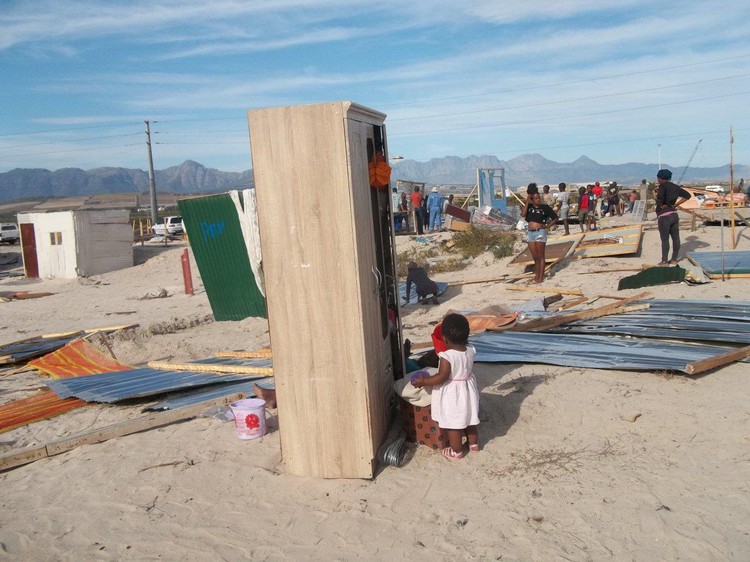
point(493, 279)
point(574, 302)
point(207, 368)
point(542, 324)
point(717, 361)
point(127, 427)
point(533, 289)
point(259, 354)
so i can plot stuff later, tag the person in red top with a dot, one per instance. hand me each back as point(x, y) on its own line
point(416, 205)
point(597, 191)
point(583, 208)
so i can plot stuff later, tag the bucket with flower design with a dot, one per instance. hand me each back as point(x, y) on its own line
point(249, 417)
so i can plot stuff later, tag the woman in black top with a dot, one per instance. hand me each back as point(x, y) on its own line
point(540, 217)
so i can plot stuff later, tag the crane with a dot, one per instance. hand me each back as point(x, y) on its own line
point(682, 175)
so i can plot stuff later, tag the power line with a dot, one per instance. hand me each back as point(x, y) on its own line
point(571, 82)
point(573, 100)
point(9, 156)
point(61, 141)
point(58, 130)
point(559, 118)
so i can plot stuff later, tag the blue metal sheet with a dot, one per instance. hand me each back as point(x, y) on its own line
point(589, 351)
point(138, 383)
point(718, 321)
point(216, 391)
point(732, 263)
point(23, 351)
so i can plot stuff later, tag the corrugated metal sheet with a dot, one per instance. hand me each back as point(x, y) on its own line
point(735, 263)
point(77, 358)
point(217, 391)
point(589, 351)
point(716, 321)
point(28, 349)
point(139, 383)
point(46, 404)
point(215, 237)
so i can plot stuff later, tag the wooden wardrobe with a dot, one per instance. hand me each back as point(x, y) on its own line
point(330, 275)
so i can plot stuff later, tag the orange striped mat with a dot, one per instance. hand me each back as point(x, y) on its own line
point(78, 358)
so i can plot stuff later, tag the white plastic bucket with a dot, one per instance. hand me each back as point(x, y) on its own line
point(249, 418)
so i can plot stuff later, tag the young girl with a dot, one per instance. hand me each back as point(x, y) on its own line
point(455, 398)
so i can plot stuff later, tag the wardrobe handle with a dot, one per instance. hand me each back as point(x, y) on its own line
point(376, 275)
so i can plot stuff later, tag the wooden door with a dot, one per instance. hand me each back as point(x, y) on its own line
point(28, 249)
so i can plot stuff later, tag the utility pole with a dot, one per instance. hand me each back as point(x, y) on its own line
point(151, 181)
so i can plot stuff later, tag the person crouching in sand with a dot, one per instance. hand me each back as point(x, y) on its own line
point(455, 396)
point(425, 286)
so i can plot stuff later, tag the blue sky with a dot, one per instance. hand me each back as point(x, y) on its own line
point(616, 80)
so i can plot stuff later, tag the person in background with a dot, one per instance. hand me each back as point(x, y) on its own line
point(435, 205)
point(547, 197)
point(583, 208)
point(632, 198)
point(597, 190)
point(540, 218)
point(398, 219)
point(644, 197)
point(668, 197)
point(423, 284)
point(532, 188)
point(614, 200)
point(563, 199)
point(593, 201)
point(455, 395)
point(416, 207)
point(447, 202)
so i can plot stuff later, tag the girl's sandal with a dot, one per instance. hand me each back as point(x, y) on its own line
point(474, 448)
point(449, 453)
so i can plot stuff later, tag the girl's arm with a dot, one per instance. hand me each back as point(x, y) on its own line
point(444, 372)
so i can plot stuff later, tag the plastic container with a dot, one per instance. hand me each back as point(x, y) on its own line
point(249, 418)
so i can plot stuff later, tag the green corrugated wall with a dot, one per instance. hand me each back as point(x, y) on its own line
point(215, 235)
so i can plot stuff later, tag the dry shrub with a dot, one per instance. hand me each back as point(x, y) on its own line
point(476, 241)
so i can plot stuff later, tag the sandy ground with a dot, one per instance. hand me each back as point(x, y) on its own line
point(564, 474)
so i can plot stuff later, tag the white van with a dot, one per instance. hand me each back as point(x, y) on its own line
point(9, 233)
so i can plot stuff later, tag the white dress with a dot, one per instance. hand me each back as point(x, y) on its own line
point(455, 403)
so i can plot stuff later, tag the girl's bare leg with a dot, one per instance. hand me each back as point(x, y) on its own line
point(471, 435)
point(455, 439)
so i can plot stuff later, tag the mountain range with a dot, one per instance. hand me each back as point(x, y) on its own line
point(193, 178)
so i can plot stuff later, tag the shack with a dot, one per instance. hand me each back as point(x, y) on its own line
point(70, 244)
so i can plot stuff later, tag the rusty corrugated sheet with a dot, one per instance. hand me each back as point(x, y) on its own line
point(77, 358)
point(46, 404)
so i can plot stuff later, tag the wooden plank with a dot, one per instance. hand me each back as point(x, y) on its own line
point(612, 270)
point(718, 361)
point(554, 250)
point(209, 368)
point(574, 302)
point(547, 323)
point(493, 279)
point(24, 456)
point(127, 427)
point(534, 289)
